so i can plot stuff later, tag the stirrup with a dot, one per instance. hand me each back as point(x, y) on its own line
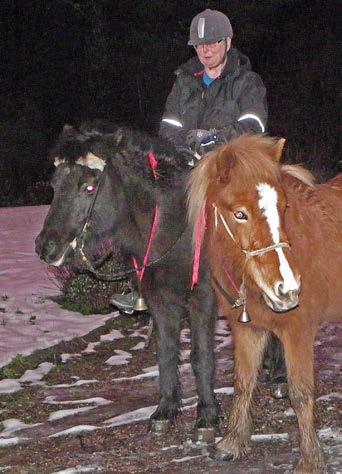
point(129, 302)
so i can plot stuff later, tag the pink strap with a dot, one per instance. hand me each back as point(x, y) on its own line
point(140, 273)
point(153, 163)
point(231, 281)
point(198, 244)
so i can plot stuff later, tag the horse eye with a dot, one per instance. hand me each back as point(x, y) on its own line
point(240, 216)
point(89, 189)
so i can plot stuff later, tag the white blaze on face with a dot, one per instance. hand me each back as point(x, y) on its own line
point(268, 199)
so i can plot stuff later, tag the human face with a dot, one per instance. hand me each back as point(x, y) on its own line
point(214, 54)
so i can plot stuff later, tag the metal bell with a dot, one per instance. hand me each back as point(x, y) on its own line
point(139, 304)
point(244, 317)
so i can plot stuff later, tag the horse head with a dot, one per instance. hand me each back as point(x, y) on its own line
point(239, 184)
point(80, 210)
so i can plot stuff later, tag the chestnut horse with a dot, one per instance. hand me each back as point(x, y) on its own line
point(274, 241)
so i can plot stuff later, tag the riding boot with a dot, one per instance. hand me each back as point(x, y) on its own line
point(129, 302)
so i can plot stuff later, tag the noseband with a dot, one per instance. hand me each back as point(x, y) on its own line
point(242, 291)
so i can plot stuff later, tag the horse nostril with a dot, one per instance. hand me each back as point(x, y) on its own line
point(280, 289)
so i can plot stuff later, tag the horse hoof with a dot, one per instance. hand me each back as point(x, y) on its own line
point(219, 455)
point(160, 427)
point(205, 435)
point(279, 390)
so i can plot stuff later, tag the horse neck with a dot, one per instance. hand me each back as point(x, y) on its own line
point(141, 201)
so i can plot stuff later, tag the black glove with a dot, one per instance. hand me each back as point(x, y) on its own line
point(200, 139)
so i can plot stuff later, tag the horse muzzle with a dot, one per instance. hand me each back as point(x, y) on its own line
point(52, 252)
point(283, 301)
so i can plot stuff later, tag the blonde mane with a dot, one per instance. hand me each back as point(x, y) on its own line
point(300, 173)
point(242, 159)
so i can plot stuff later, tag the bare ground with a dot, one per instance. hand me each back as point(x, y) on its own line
point(130, 448)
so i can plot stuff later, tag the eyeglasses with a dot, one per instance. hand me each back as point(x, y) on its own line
point(211, 46)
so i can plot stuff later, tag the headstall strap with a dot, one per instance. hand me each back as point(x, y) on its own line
point(242, 291)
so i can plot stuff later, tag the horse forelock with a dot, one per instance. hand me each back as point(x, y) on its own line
point(243, 161)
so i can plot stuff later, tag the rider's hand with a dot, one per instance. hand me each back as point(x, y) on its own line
point(200, 139)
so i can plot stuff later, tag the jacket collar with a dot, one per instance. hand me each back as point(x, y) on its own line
point(235, 61)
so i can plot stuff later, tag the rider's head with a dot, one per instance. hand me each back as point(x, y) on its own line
point(211, 34)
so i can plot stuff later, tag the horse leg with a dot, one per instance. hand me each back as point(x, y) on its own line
point(202, 319)
point(249, 350)
point(298, 346)
point(275, 362)
point(166, 311)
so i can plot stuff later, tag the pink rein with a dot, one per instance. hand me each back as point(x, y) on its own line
point(200, 227)
point(140, 272)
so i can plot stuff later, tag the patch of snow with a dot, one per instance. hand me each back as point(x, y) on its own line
point(34, 375)
point(225, 390)
point(147, 375)
point(74, 430)
point(225, 342)
point(186, 458)
point(122, 358)
point(111, 336)
point(90, 349)
point(31, 320)
point(90, 401)
point(11, 425)
point(141, 414)
point(330, 433)
point(5, 443)
point(185, 354)
point(9, 386)
point(138, 334)
point(151, 368)
point(74, 384)
point(66, 357)
point(260, 438)
point(80, 469)
point(289, 412)
point(329, 396)
point(167, 448)
point(185, 336)
point(139, 346)
point(57, 415)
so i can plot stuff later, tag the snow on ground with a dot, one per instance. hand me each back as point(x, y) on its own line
point(29, 320)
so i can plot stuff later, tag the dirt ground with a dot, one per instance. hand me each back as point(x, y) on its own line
point(99, 441)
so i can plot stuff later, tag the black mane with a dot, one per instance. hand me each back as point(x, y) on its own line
point(112, 142)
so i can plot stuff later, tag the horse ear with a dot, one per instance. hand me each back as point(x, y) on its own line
point(277, 150)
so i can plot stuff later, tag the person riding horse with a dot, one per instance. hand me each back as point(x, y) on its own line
point(216, 97)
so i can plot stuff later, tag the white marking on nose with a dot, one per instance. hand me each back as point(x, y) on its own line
point(268, 199)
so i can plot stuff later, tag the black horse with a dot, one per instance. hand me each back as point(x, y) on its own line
point(109, 181)
point(108, 184)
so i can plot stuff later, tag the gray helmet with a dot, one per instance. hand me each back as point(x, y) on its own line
point(208, 27)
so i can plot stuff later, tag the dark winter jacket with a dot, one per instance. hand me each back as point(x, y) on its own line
point(233, 104)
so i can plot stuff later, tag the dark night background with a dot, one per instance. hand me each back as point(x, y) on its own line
point(64, 61)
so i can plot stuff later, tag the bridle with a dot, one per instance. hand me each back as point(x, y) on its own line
point(249, 254)
point(77, 244)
